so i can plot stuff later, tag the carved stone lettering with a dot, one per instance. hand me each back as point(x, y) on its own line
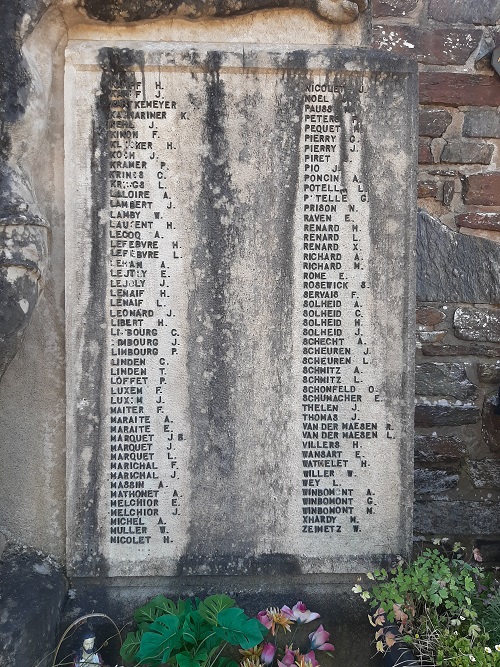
point(238, 309)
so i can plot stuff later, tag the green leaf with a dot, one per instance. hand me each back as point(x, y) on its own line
point(158, 643)
point(195, 628)
point(131, 646)
point(225, 662)
point(213, 605)
point(158, 606)
point(239, 630)
point(185, 660)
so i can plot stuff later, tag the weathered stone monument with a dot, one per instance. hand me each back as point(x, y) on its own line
point(238, 221)
point(237, 308)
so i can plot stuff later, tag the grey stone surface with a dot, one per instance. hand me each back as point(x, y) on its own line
point(32, 591)
point(439, 449)
point(428, 480)
point(455, 267)
point(467, 152)
point(473, 349)
point(484, 474)
point(433, 122)
point(21, 229)
point(132, 10)
point(456, 517)
point(436, 414)
point(477, 324)
point(465, 11)
point(489, 372)
point(491, 422)
point(436, 379)
point(263, 291)
point(483, 122)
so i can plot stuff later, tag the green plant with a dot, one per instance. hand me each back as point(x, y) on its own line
point(190, 634)
point(439, 605)
point(491, 615)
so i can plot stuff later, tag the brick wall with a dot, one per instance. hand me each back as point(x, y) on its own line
point(457, 444)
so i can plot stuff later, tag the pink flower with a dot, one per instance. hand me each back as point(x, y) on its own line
point(307, 660)
point(288, 659)
point(302, 614)
point(263, 617)
point(310, 659)
point(286, 611)
point(267, 655)
point(319, 640)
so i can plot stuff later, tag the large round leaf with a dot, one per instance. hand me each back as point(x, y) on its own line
point(237, 629)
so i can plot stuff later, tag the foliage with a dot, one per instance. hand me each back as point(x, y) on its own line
point(442, 607)
point(190, 634)
point(453, 650)
point(491, 615)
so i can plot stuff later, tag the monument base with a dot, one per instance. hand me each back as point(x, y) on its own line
point(343, 614)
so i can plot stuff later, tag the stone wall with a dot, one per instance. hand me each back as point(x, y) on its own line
point(457, 444)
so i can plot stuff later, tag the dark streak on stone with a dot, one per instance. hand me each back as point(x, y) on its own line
point(116, 75)
point(137, 10)
point(210, 372)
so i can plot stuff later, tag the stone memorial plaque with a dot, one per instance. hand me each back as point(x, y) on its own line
point(239, 308)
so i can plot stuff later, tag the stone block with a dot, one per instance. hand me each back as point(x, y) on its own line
point(458, 89)
point(477, 324)
point(482, 12)
point(484, 474)
point(432, 47)
point(483, 122)
point(393, 7)
point(429, 316)
point(439, 449)
point(491, 422)
point(474, 349)
point(482, 189)
point(480, 220)
point(467, 152)
point(395, 39)
point(427, 188)
point(32, 591)
point(424, 151)
point(489, 372)
point(456, 517)
point(429, 480)
point(448, 192)
point(449, 46)
point(455, 267)
point(433, 122)
point(437, 379)
point(430, 336)
point(428, 415)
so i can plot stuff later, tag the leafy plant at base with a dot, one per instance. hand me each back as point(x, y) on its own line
point(437, 604)
point(491, 616)
point(190, 634)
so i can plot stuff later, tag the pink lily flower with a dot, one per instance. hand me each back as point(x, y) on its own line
point(302, 614)
point(268, 652)
point(263, 617)
point(286, 611)
point(310, 659)
point(319, 640)
point(288, 659)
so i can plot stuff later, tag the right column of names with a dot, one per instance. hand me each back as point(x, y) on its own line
point(341, 409)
